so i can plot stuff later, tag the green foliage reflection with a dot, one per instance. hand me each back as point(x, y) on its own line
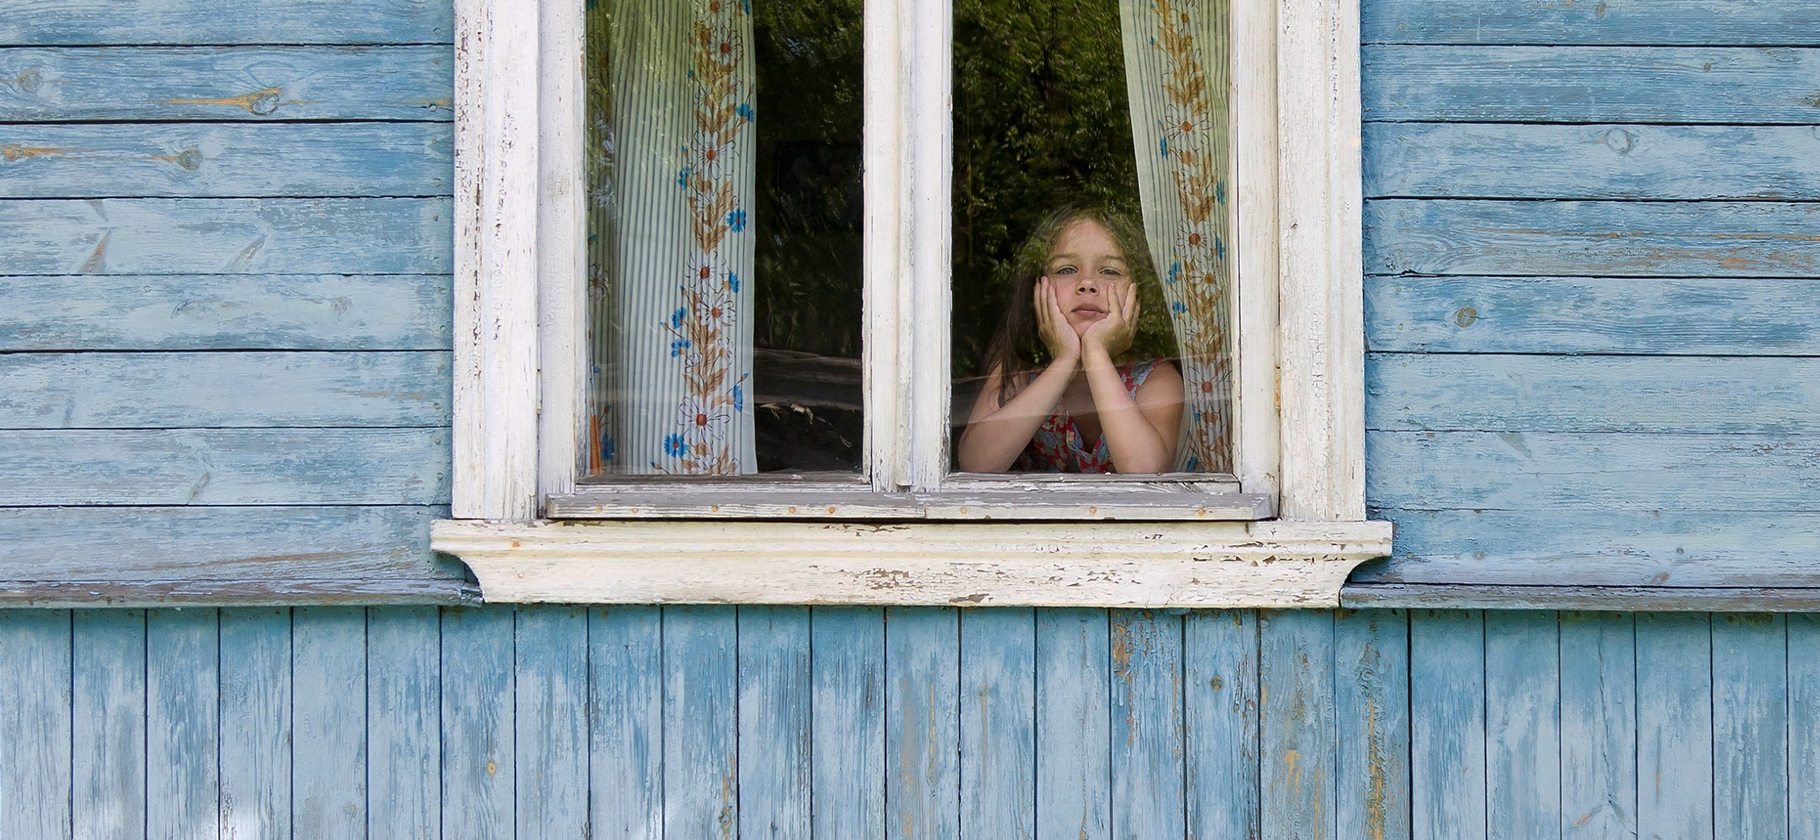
point(1040, 121)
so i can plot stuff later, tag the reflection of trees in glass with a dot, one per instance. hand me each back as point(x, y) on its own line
point(809, 213)
point(1040, 120)
point(809, 218)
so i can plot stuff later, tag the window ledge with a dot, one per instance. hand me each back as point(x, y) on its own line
point(1131, 503)
point(1094, 564)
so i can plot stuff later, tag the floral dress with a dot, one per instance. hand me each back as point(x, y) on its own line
point(1057, 444)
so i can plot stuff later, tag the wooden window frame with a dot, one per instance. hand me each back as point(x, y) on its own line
point(915, 535)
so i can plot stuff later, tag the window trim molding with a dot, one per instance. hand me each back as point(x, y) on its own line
point(1207, 565)
point(519, 319)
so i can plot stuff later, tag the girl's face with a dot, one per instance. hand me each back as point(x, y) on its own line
point(1087, 271)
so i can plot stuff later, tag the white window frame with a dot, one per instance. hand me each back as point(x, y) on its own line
point(521, 362)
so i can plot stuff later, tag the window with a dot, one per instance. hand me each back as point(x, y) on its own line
point(725, 223)
point(906, 527)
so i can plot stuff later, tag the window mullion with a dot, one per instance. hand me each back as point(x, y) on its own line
point(930, 165)
point(886, 255)
point(561, 249)
point(1254, 160)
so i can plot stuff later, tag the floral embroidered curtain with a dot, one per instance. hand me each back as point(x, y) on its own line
point(671, 178)
point(1176, 75)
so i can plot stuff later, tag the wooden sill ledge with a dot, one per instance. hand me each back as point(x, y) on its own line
point(1102, 564)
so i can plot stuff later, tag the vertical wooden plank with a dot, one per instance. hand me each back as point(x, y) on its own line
point(108, 725)
point(848, 701)
point(1073, 723)
point(625, 740)
point(1148, 738)
point(494, 471)
point(1371, 724)
point(477, 735)
point(998, 724)
point(562, 245)
point(182, 713)
point(700, 769)
point(1750, 726)
point(1447, 724)
point(1257, 444)
point(774, 736)
point(1296, 738)
point(923, 282)
point(1522, 725)
point(551, 718)
point(35, 723)
point(1598, 725)
point(1320, 330)
point(255, 723)
point(922, 724)
point(1220, 649)
point(1804, 725)
point(1674, 726)
point(404, 734)
point(329, 765)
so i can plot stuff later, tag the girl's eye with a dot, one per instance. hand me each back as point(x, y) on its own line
point(1066, 269)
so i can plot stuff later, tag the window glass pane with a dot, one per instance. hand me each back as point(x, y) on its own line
point(724, 236)
point(1091, 282)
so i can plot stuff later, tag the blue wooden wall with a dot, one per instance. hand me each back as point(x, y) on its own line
point(224, 332)
point(225, 247)
point(425, 722)
point(1592, 271)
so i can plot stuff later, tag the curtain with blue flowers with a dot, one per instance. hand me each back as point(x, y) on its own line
point(1178, 81)
point(671, 180)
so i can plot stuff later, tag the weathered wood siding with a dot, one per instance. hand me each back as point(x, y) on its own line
point(392, 722)
point(1592, 241)
point(225, 246)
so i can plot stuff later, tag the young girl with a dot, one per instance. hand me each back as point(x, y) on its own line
point(1083, 411)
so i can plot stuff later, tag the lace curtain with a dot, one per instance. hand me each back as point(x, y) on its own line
point(1177, 79)
point(671, 178)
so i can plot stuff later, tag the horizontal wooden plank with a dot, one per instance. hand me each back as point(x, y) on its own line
point(225, 467)
point(228, 235)
point(1592, 238)
point(225, 312)
point(1607, 548)
point(1591, 472)
point(252, 543)
point(226, 160)
point(216, 22)
point(1697, 316)
point(227, 83)
point(1625, 599)
point(212, 390)
point(1590, 84)
point(1748, 22)
point(1501, 393)
point(239, 592)
point(1606, 161)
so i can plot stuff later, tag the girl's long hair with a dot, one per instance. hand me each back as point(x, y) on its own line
point(1015, 346)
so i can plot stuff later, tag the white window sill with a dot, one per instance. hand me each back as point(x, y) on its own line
point(1178, 497)
point(1088, 564)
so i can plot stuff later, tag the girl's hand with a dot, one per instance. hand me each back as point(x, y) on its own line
point(1114, 332)
point(1052, 326)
